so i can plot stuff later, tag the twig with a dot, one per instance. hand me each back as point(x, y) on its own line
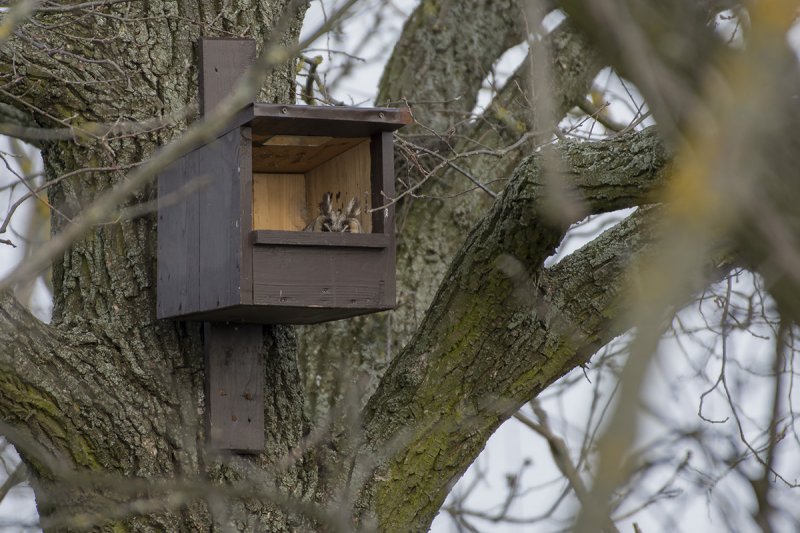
point(560, 453)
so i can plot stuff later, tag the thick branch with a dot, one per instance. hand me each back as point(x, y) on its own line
point(479, 354)
point(446, 49)
point(434, 228)
point(39, 394)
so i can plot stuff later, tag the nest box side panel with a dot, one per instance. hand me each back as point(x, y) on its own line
point(200, 235)
point(246, 207)
point(178, 283)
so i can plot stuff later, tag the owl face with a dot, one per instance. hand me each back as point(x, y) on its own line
point(337, 220)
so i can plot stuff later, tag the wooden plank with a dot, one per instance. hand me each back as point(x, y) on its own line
point(220, 236)
point(345, 176)
point(382, 179)
point(309, 238)
point(278, 314)
point(222, 63)
point(279, 202)
point(234, 364)
point(245, 216)
point(178, 251)
point(299, 157)
point(391, 116)
point(191, 257)
point(294, 140)
point(317, 276)
point(338, 121)
point(178, 282)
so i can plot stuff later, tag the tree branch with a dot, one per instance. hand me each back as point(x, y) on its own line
point(446, 50)
point(481, 352)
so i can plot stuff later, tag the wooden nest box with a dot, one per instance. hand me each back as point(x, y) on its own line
point(234, 214)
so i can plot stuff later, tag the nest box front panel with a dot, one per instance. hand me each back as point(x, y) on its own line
point(307, 276)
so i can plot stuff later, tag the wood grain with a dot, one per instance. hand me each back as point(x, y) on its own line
point(312, 276)
point(345, 176)
point(220, 225)
point(297, 157)
point(222, 63)
point(279, 202)
point(178, 244)
point(341, 121)
point(234, 387)
point(245, 216)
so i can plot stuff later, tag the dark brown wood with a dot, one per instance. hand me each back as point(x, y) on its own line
point(245, 216)
point(201, 236)
point(221, 237)
point(234, 362)
point(310, 238)
point(384, 118)
point(338, 121)
point(277, 314)
point(222, 63)
point(382, 178)
point(314, 276)
point(178, 242)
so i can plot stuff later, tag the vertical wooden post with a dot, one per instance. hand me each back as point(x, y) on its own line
point(234, 379)
point(222, 63)
point(234, 387)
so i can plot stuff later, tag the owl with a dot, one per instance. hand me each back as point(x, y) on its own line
point(336, 220)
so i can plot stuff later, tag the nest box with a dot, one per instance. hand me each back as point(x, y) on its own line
point(242, 240)
point(233, 214)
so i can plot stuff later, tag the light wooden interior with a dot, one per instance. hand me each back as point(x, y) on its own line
point(297, 153)
point(289, 201)
point(279, 202)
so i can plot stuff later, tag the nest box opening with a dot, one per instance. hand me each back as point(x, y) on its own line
point(293, 173)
